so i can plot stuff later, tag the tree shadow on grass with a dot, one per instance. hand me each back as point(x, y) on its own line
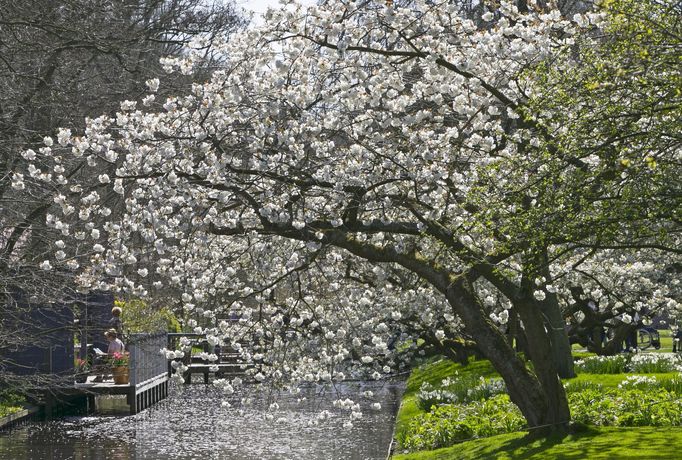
point(588, 442)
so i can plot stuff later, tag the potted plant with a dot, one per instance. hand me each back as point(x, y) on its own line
point(82, 370)
point(119, 368)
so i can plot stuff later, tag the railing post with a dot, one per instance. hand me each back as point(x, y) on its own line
point(132, 361)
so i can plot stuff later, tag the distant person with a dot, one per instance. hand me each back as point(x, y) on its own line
point(115, 344)
point(115, 322)
point(677, 337)
point(631, 339)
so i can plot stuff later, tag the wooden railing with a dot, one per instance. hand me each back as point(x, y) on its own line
point(146, 361)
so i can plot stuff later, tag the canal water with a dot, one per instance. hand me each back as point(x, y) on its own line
point(193, 423)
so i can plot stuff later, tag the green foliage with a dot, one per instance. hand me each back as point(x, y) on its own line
point(138, 316)
point(10, 397)
point(433, 372)
point(582, 385)
point(671, 384)
point(8, 410)
point(652, 383)
point(626, 407)
point(591, 404)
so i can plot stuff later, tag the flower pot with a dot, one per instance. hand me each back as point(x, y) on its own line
point(120, 374)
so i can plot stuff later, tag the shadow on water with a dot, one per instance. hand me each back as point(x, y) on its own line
point(193, 424)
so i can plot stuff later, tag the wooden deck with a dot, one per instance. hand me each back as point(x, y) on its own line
point(140, 395)
point(105, 387)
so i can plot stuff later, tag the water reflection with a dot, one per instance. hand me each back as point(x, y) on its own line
point(193, 424)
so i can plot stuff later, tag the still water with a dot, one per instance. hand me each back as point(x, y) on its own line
point(193, 424)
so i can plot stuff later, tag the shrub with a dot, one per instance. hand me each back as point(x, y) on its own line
point(11, 398)
point(590, 406)
point(138, 316)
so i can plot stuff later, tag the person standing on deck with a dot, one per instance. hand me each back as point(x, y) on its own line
point(115, 322)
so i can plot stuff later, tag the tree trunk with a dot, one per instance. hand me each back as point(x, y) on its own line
point(540, 398)
point(615, 345)
point(560, 346)
point(562, 353)
point(543, 359)
point(544, 409)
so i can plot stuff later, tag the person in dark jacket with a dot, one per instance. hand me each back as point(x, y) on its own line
point(115, 321)
point(677, 340)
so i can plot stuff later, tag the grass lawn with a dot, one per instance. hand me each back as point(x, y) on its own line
point(594, 442)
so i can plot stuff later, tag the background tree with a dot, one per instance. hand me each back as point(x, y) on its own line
point(61, 62)
point(623, 127)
